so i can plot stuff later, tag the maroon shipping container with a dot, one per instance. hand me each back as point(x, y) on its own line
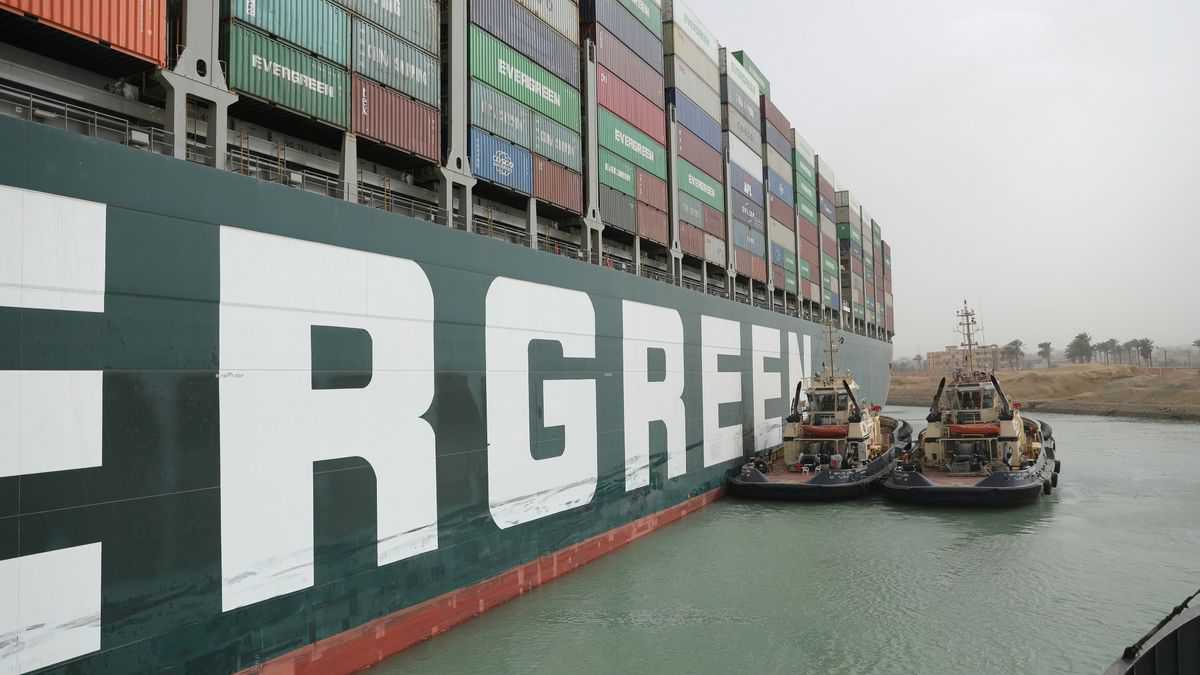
point(135, 27)
point(387, 116)
point(622, 62)
point(811, 290)
point(700, 154)
point(825, 188)
point(887, 286)
point(651, 190)
point(556, 184)
point(617, 96)
point(781, 212)
point(652, 223)
point(808, 230)
point(868, 290)
point(741, 260)
point(856, 265)
point(758, 268)
point(691, 240)
point(776, 118)
point(829, 245)
point(714, 222)
point(777, 276)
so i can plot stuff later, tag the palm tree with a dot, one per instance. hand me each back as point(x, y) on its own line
point(1013, 353)
point(1131, 348)
point(1108, 347)
point(1146, 349)
point(1044, 352)
point(918, 359)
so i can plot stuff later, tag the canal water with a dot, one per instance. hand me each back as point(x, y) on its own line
point(872, 587)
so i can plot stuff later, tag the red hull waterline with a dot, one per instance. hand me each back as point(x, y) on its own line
point(366, 645)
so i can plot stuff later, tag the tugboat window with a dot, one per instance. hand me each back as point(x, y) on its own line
point(843, 402)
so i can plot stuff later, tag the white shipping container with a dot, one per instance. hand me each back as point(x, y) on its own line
point(743, 156)
point(676, 11)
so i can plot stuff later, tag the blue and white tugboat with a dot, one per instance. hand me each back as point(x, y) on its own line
point(977, 450)
point(834, 447)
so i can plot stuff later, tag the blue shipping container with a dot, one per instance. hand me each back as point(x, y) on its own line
point(743, 183)
point(498, 161)
point(777, 140)
point(692, 116)
point(780, 187)
point(836, 303)
point(749, 238)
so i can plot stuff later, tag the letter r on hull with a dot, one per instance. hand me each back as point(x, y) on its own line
point(274, 424)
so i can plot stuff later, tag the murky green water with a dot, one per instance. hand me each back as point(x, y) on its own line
point(872, 587)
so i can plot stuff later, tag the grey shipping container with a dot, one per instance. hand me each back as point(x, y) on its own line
point(417, 21)
point(389, 60)
point(498, 161)
point(750, 134)
point(562, 15)
point(677, 12)
point(680, 75)
point(500, 114)
point(739, 100)
point(677, 42)
point(777, 140)
point(714, 249)
point(626, 28)
point(318, 26)
point(618, 209)
point(691, 210)
point(747, 211)
point(777, 163)
point(556, 142)
point(524, 32)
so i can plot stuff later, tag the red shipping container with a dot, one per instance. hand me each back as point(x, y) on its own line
point(856, 265)
point(777, 120)
point(781, 212)
point(555, 184)
point(700, 154)
point(651, 190)
point(622, 99)
point(714, 222)
point(652, 224)
point(741, 258)
point(622, 62)
point(134, 27)
point(825, 188)
point(811, 290)
point(778, 276)
point(829, 246)
point(387, 116)
point(808, 230)
point(691, 240)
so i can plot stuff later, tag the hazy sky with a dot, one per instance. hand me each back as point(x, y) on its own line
point(1040, 159)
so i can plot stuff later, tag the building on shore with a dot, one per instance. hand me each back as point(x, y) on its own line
point(986, 356)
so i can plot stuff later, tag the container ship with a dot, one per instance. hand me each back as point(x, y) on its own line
point(328, 325)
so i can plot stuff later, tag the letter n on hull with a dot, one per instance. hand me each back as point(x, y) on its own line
point(276, 420)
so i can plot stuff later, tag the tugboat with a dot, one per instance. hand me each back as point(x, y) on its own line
point(833, 448)
point(977, 450)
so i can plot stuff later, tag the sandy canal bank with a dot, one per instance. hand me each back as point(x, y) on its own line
point(1172, 393)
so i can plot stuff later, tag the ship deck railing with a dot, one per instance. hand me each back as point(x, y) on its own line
point(35, 107)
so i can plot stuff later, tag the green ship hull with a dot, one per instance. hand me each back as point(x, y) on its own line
point(245, 420)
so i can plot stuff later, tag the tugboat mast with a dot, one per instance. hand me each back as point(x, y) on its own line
point(831, 350)
point(966, 326)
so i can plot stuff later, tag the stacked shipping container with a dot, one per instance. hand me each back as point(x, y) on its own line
point(777, 145)
point(133, 27)
point(831, 284)
point(631, 120)
point(889, 316)
point(807, 230)
point(850, 248)
point(525, 112)
point(693, 81)
point(371, 68)
point(742, 134)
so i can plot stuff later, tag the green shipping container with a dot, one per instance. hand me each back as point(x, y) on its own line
point(496, 64)
point(317, 26)
point(764, 85)
point(805, 191)
point(557, 143)
point(830, 264)
point(789, 260)
point(617, 173)
point(624, 139)
point(387, 59)
point(789, 281)
point(805, 269)
point(275, 72)
point(691, 210)
point(700, 185)
point(804, 170)
point(809, 211)
point(648, 13)
point(417, 21)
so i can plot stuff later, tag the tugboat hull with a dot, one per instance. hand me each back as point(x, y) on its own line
point(824, 487)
